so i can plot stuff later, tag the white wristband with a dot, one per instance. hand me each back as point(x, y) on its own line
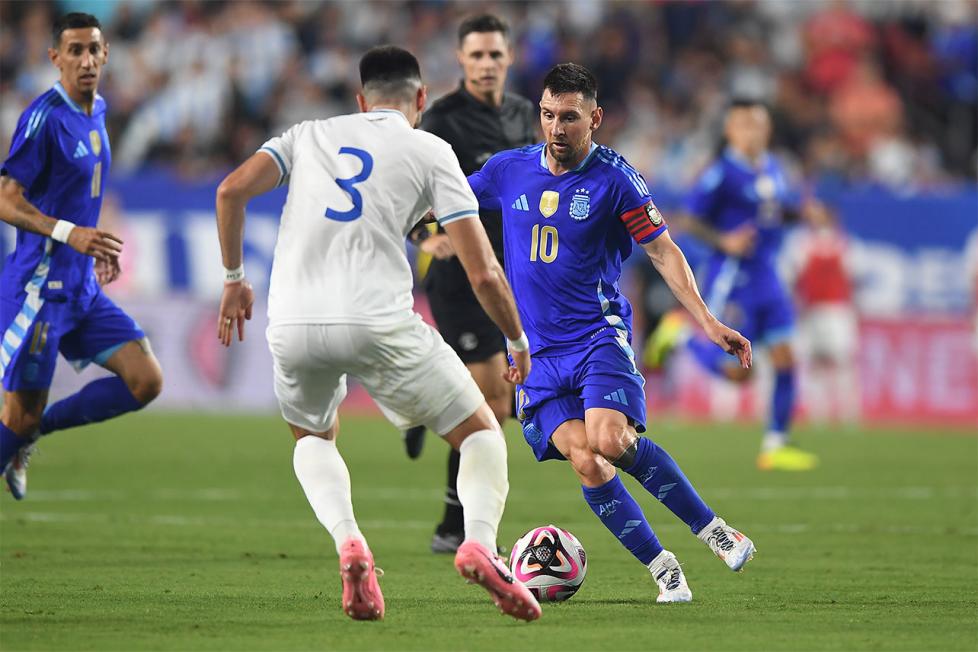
point(234, 275)
point(519, 345)
point(61, 231)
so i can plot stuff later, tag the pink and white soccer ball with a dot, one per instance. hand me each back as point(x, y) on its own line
point(550, 561)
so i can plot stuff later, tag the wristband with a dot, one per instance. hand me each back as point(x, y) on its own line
point(234, 275)
point(520, 344)
point(61, 231)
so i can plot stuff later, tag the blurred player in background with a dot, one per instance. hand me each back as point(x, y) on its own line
point(340, 303)
point(477, 120)
point(738, 207)
point(570, 211)
point(817, 267)
point(50, 299)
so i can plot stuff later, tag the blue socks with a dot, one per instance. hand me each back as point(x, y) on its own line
point(10, 443)
point(97, 401)
point(783, 402)
point(619, 512)
point(661, 476)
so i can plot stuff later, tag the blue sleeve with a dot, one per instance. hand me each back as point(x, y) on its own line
point(704, 198)
point(483, 185)
point(633, 206)
point(28, 150)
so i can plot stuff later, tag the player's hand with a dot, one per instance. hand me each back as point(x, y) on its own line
point(107, 270)
point(520, 368)
point(439, 246)
point(236, 303)
point(101, 245)
point(731, 341)
point(739, 242)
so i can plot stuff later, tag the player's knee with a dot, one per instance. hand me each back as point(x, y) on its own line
point(21, 422)
point(610, 442)
point(146, 385)
point(590, 467)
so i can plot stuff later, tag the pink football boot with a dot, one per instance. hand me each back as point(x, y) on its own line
point(478, 564)
point(362, 599)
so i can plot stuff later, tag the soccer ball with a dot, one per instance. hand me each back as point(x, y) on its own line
point(550, 561)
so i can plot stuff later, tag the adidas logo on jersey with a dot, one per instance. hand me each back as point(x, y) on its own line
point(521, 204)
point(80, 150)
point(617, 396)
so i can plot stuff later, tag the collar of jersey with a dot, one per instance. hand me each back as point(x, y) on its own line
point(67, 98)
point(580, 166)
point(745, 164)
point(394, 111)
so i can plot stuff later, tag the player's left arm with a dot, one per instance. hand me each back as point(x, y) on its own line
point(670, 262)
point(256, 176)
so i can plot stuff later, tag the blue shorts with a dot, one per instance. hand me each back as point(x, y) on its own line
point(752, 301)
point(562, 387)
point(84, 331)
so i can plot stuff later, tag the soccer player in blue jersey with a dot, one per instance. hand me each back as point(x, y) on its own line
point(571, 210)
point(738, 207)
point(50, 295)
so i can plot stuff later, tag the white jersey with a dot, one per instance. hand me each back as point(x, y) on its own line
point(357, 185)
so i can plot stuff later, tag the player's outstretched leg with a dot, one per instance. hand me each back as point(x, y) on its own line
point(482, 490)
point(325, 480)
point(619, 512)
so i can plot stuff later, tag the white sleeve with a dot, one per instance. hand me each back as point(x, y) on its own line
point(280, 148)
point(449, 191)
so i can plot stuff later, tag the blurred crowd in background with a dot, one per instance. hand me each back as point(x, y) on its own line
point(884, 91)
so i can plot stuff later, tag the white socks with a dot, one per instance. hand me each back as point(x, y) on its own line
point(325, 479)
point(773, 440)
point(483, 485)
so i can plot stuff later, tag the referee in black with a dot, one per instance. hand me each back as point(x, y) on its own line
point(477, 120)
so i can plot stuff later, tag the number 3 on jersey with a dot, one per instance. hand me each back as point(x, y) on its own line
point(367, 163)
point(543, 243)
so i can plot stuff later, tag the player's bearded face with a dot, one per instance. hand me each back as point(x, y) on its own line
point(80, 56)
point(568, 122)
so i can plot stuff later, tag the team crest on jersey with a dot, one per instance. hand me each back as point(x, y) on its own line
point(549, 201)
point(654, 215)
point(96, 141)
point(580, 206)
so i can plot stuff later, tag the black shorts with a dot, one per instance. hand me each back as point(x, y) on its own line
point(463, 323)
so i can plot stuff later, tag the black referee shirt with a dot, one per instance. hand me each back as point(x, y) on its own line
point(476, 131)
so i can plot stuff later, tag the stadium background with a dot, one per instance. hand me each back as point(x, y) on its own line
point(875, 106)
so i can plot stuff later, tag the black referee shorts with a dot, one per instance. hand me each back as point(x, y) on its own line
point(464, 325)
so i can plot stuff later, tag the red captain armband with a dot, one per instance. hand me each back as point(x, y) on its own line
point(644, 223)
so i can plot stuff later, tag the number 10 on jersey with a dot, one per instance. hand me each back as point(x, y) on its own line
point(543, 243)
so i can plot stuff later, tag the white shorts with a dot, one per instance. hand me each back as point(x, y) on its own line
point(409, 371)
point(829, 332)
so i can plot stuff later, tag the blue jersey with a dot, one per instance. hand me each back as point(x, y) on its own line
point(565, 238)
point(60, 155)
point(733, 192)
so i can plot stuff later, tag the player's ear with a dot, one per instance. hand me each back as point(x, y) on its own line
point(422, 99)
point(105, 53)
point(596, 117)
point(53, 56)
point(362, 103)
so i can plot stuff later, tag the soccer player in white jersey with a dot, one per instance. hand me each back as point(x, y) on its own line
point(340, 302)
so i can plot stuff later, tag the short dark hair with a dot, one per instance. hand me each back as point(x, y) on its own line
point(747, 103)
point(482, 23)
point(389, 66)
point(74, 20)
point(571, 78)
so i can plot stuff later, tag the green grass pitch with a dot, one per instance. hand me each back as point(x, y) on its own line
point(166, 532)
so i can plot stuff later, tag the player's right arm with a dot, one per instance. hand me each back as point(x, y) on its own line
point(20, 213)
point(457, 212)
point(257, 175)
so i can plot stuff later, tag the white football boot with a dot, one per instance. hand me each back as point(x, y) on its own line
point(16, 472)
point(668, 574)
point(728, 544)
